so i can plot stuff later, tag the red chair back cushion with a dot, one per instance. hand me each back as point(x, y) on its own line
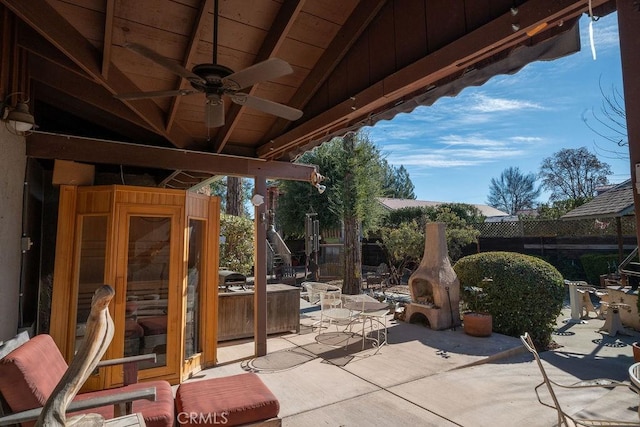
point(29, 373)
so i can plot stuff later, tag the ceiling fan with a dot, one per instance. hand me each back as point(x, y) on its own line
point(215, 80)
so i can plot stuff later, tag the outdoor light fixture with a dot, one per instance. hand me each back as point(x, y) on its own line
point(18, 119)
point(316, 179)
point(257, 200)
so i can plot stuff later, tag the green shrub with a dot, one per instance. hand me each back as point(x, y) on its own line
point(596, 264)
point(525, 294)
point(236, 247)
point(569, 268)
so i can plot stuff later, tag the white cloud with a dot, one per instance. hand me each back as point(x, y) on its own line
point(526, 139)
point(399, 147)
point(472, 140)
point(485, 104)
point(453, 151)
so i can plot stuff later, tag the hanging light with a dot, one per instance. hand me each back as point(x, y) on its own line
point(316, 179)
point(18, 119)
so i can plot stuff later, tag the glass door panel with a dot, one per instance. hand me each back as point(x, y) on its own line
point(91, 267)
point(195, 257)
point(147, 290)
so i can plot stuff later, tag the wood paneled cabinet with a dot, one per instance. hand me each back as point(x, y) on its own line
point(158, 248)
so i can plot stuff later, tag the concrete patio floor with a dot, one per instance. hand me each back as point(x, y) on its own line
point(436, 378)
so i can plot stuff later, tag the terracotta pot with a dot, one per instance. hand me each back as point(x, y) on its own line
point(477, 324)
point(636, 351)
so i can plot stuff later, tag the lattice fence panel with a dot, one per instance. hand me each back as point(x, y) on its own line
point(557, 228)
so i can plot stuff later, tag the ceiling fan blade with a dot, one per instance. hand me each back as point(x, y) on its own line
point(156, 94)
point(260, 72)
point(267, 106)
point(163, 61)
point(214, 112)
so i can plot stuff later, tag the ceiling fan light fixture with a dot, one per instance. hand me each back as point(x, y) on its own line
point(214, 111)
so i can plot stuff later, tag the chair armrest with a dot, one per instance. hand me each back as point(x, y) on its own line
point(82, 405)
point(596, 382)
point(129, 365)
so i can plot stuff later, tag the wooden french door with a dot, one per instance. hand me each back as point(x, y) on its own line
point(147, 313)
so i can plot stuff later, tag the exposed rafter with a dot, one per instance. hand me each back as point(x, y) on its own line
point(82, 89)
point(492, 38)
point(191, 51)
point(49, 24)
point(353, 28)
point(288, 13)
point(110, 7)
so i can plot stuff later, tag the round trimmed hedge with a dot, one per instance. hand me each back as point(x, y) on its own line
point(525, 294)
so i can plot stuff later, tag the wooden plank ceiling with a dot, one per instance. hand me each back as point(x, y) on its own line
point(354, 62)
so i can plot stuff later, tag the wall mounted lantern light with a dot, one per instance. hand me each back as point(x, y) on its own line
point(257, 200)
point(18, 119)
point(316, 179)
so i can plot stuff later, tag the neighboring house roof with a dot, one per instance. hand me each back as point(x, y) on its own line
point(393, 204)
point(615, 202)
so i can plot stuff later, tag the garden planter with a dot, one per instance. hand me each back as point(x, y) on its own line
point(636, 351)
point(477, 324)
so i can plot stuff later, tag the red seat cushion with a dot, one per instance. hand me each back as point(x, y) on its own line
point(156, 414)
point(230, 401)
point(154, 325)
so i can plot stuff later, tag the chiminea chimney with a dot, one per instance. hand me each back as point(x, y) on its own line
point(434, 286)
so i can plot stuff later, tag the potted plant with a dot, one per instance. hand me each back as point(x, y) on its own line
point(476, 319)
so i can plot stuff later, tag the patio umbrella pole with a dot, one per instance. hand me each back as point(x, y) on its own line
point(453, 323)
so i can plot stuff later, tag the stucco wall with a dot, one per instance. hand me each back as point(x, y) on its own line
point(12, 166)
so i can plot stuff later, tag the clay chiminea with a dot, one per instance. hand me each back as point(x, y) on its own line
point(434, 286)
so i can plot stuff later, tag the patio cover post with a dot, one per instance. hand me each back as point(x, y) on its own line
point(629, 33)
point(260, 270)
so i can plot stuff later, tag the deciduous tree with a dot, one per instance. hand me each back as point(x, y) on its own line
point(513, 191)
point(610, 123)
point(573, 173)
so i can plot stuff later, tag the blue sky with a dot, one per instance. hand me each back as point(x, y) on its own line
point(453, 148)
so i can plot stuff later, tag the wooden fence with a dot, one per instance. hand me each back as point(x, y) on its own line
point(562, 239)
point(558, 228)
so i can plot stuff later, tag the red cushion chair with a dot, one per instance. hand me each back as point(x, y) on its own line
point(29, 374)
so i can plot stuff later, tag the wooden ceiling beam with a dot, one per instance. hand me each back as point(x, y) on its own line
point(43, 18)
point(353, 28)
point(63, 147)
point(493, 37)
point(278, 32)
point(110, 7)
point(83, 89)
point(192, 50)
point(32, 42)
point(52, 99)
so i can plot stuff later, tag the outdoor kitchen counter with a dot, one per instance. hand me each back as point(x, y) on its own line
point(235, 312)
